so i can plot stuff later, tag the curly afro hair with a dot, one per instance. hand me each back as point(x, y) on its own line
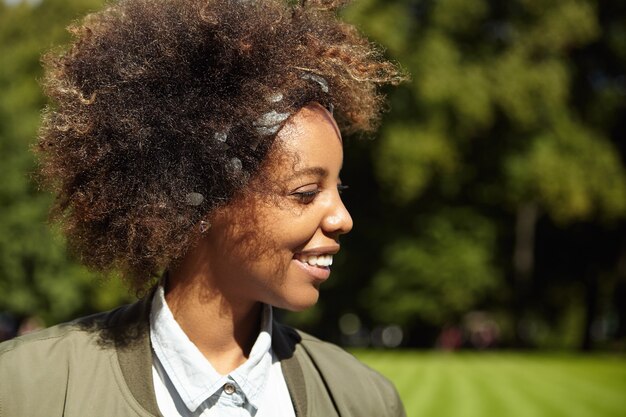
point(155, 99)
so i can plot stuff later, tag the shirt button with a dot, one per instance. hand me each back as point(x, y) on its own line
point(229, 388)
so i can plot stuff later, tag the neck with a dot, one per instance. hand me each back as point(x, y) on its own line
point(222, 328)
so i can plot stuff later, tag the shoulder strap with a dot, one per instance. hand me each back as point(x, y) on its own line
point(356, 390)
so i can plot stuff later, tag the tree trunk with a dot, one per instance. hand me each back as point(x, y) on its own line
point(523, 264)
point(591, 304)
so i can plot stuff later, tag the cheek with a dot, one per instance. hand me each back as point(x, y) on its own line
point(290, 239)
point(287, 229)
point(268, 252)
point(260, 253)
point(263, 240)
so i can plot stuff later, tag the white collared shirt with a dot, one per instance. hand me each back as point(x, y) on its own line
point(186, 384)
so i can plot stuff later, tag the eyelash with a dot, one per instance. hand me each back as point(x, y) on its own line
point(307, 197)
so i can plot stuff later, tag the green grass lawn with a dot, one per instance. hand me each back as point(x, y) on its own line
point(504, 384)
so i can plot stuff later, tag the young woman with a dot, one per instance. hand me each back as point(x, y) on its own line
point(195, 146)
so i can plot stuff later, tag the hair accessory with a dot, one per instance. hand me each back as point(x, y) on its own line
point(275, 98)
point(221, 136)
point(269, 123)
point(234, 165)
point(318, 79)
point(194, 199)
point(310, 75)
point(266, 125)
point(204, 226)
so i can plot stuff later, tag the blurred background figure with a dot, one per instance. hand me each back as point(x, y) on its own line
point(29, 325)
point(450, 338)
point(7, 327)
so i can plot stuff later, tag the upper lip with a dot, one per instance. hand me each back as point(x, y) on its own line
point(321, 250)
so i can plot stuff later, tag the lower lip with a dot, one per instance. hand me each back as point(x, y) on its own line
point(320, 273)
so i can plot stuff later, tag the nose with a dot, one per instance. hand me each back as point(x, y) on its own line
point(337, 220)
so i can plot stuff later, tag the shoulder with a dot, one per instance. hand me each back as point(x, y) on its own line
point(82, 336)
point(44, 358)
point(41, 365)
point(341, 364)
point(40, 344)
point(114, 327)
point(67, 337)
point(331, 353)
point(64, 361)
point(347, 377)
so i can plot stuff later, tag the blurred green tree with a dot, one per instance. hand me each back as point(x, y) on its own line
point(497, 183)
point(36, 276)
point(493, 127)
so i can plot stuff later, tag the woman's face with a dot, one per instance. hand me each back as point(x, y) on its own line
point(275, 242)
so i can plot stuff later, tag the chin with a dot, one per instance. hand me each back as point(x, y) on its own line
point(301, 303)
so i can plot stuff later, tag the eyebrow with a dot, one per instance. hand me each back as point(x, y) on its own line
point(318, 171)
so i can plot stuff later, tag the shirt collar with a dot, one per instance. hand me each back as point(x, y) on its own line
point(191, 373)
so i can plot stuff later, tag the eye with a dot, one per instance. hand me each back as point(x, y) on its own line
point(341, 188)
point(306, 195)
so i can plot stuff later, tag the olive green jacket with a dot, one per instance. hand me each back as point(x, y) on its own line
point(101, 365)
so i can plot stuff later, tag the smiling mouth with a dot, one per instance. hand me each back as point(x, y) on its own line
point(320, 261)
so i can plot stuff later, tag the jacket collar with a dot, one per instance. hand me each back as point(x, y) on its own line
point(129, 329)
point(284, 343)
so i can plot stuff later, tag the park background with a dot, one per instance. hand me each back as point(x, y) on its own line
point(489, 210)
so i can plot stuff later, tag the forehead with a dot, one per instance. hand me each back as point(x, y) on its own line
point(311, 135)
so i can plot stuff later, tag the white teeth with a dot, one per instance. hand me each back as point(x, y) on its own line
point(319, 260)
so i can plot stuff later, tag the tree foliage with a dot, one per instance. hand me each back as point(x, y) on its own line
point(497, 181)
point(501, 121)
point(36, 276)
